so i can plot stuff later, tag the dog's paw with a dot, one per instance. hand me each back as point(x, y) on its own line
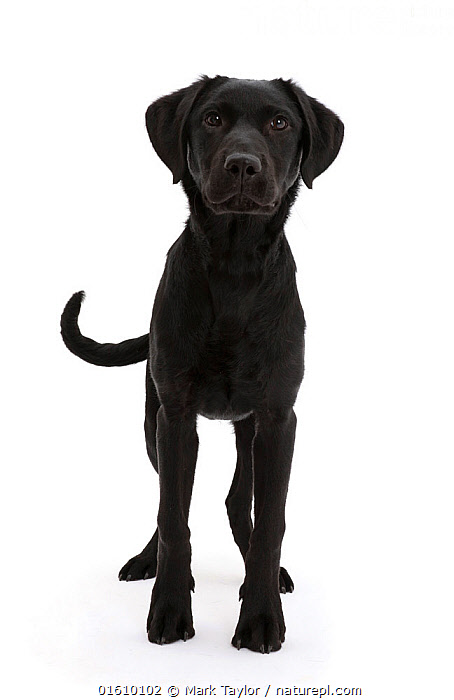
point(285, 581)
point(138, 568)
point(260, 627)
point(169, 622)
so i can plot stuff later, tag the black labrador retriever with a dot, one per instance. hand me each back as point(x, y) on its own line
point(227, 333)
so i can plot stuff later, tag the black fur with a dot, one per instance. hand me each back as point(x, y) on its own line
point(227, 333)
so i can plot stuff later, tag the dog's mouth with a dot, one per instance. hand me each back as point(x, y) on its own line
point(241, 204)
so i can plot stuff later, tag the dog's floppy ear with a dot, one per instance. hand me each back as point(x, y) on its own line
point(166, 119)
point(322, 138)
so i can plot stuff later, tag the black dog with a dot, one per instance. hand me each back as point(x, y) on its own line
point(227, 333)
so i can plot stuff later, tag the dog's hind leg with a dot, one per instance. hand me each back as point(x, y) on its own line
point(239, 499)
point(143, 565)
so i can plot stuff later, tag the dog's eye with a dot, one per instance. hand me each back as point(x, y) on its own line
point(279, 123)
point(213, 119)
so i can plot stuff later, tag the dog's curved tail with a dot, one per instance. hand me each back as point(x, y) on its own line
point(127, 352)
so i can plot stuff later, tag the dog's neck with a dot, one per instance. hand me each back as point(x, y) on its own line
point(237, 241)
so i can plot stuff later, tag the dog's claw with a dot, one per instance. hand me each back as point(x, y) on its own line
point(185, 636)
point(238, 644)
point(146, 575)
point(285, 581)
point(128, 577)
point(262, 648)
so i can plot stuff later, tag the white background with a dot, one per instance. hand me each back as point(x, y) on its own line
point(88, 205)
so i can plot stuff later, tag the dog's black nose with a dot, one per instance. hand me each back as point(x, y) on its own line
point(243, 165)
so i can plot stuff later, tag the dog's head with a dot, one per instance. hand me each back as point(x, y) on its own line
point(243, 143)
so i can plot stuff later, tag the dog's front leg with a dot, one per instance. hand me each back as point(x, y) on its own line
point(261, 625)
point(170, 616)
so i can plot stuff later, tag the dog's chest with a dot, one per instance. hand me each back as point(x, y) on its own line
point(230, 353)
